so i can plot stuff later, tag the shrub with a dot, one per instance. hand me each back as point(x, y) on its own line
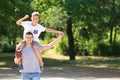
point(8, 48)
point(103, 49)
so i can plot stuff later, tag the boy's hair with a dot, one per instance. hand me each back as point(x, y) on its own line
point(35, 14)
point(29, 33)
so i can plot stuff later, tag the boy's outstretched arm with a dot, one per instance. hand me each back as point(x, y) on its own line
point(53, 43)
point(18, 22)
point(52, 30)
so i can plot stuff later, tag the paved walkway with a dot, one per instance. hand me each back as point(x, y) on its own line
point(66, 73)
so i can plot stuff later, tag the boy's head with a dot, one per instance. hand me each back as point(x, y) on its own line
point(35, 17)
point(35, 14)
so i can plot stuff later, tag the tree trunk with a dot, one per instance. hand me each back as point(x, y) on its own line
point(70, 39)
point(14, 37)
point(111, 28)
point(115, 34)
point(111, 31)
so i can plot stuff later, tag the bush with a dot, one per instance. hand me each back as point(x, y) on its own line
point(62, 47)
point(103, 49)
point(8, 49)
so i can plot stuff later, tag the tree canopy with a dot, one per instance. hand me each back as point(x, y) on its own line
point(91, 26)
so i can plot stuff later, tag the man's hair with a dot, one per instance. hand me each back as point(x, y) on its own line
point(29, 33)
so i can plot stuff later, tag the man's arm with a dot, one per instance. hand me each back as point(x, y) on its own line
point(53, 43)
point(38, 54)
point(18, 22)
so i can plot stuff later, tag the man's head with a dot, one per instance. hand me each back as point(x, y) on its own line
point(29, 37)
point(35, 18)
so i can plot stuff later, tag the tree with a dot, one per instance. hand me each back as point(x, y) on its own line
point(10, 12)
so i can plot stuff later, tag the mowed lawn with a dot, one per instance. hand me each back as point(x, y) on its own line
point(50, 58)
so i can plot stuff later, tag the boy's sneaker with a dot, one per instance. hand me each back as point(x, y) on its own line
point(41, 68)
point(20, 67)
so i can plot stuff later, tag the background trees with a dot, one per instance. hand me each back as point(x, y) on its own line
point(10, 11)
point(91, 26)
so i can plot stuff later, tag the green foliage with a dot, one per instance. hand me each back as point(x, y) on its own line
point(7, 48)
point(10, 11)
point(94, 23)
point(62, 47)
point(51, 14)
point(104, 49)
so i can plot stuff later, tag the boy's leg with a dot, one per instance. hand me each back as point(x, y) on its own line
point(19, 63)
point(20, 67)
point(38, 44)
point(21, 45)
point(40, 48)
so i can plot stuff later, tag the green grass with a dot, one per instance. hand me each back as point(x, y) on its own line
point(89, 62)
point(7, 60)
point(52, 59)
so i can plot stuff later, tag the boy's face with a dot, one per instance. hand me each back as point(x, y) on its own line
point(28, 39)
point(35, 19)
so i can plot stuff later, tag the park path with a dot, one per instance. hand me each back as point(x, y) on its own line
point(65, 73)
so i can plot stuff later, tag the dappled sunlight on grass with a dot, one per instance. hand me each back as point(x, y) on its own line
point(51, 58)
point(2, 63)
point(53, 55)
point(7, 60)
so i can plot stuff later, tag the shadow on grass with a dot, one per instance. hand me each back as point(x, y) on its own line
point(7, 60)
point(109, 63)
point(66, 69)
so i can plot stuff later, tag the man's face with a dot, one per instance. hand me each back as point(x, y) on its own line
point(28, 39)
point(35, 19)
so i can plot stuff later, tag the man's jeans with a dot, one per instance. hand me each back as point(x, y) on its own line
point(30, 76)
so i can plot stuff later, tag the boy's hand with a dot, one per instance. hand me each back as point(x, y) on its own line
point(61, 34)
point(20, 20)
point(26, 16)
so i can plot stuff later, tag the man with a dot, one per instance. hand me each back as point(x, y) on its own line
point(31, 60)
point(31, 57)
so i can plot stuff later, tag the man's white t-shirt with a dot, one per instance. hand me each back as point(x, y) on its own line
point(36, 30)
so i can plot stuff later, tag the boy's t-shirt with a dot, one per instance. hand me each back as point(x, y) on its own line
point(36, 30)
